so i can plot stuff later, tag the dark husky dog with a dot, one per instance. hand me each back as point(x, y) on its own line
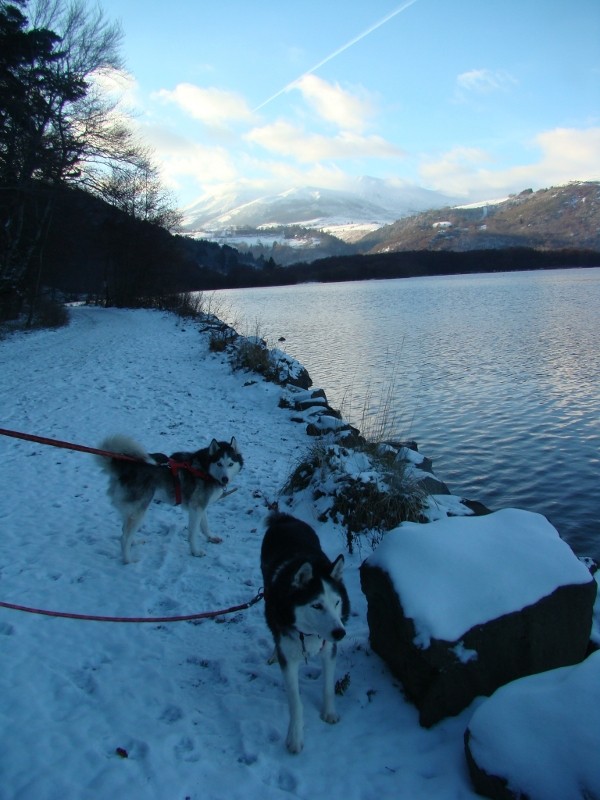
point(306, 606)
point(193, 479)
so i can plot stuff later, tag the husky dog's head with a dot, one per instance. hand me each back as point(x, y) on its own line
point(324, 605)
point(224, 460)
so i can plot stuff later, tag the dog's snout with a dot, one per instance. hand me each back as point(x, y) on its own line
point(338, 634)
point(224, 480)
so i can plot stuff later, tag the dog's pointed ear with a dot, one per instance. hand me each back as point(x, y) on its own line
point(302, 576)
point(337, 568)
point(233, 444)
point(213, 447)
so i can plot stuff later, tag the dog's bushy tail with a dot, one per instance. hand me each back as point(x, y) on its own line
point(119, 443)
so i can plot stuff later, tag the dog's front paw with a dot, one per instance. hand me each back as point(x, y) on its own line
point(215, 539)
point(198, 553)
point(330, 716)
point(294, 742)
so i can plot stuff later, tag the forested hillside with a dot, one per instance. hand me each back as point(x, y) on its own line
point(95, 250)
point(549, 219)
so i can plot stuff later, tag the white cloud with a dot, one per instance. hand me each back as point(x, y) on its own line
point(282, 175)
point(285, 139)
point(483, 82)
point(296, 158)
point(332, 103)
point(455, 168)
point(212, 106)
point(565, 154)
point(181, 159)
point(573, 150)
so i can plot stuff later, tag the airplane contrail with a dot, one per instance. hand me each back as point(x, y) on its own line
point(337, 52)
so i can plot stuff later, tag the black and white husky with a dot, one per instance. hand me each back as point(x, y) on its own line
point(306, 606)
point(193, 479)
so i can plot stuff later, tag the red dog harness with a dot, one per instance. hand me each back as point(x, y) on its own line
point(177, 466)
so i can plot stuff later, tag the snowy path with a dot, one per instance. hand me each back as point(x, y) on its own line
point(197, 709)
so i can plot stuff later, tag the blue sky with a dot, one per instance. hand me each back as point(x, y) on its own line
point(474, 98)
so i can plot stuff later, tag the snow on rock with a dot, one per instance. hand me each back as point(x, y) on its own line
point(315, 412)
point(464, 605)
point(289, 369)
point(552, 750)
point(514, 558)
point(421, 469)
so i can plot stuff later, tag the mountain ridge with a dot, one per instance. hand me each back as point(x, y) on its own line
point(309, 223)
point(554, 218)
point(367, 201)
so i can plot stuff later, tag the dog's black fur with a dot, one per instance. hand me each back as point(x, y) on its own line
point(306, 606)
point(287, 545)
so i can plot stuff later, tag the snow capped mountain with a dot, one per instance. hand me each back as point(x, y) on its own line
point(366, 204)
point(400, 195)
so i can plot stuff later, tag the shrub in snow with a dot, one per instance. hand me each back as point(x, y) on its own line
point(252, 353)
point(365, 490)
point(222, 336)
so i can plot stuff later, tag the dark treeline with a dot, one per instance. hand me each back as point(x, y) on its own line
point(403, 265)
point(428, 262)
point(95, 251)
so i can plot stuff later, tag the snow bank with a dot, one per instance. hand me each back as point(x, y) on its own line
point(503, 561)
point(542, 733)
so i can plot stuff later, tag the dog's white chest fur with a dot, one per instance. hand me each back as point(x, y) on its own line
point(299, 646)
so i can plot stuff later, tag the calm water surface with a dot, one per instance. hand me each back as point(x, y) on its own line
point(496, 376)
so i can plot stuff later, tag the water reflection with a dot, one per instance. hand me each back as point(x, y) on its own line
point(494, 375)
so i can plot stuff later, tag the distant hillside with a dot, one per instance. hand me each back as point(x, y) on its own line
point(286, 244)
point(549, 219)
point(367, 201)
point(93, 249)
point(306, 222)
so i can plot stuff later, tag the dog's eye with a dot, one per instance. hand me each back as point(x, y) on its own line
point(318, 606)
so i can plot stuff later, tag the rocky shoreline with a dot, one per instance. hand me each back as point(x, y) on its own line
point(349, 480)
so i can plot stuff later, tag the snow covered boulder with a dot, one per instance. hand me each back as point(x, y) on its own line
point(463, 605)
point(320, 418)
point(539, 737)
point(288, 370)
point(252, 353)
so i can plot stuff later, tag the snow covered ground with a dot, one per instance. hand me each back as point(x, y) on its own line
point(174, 710)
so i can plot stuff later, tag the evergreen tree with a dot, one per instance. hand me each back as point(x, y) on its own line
point(58, 126)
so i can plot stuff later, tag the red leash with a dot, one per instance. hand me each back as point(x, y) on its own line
point(29, 437)
point(174, 466)
point(95, 618)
